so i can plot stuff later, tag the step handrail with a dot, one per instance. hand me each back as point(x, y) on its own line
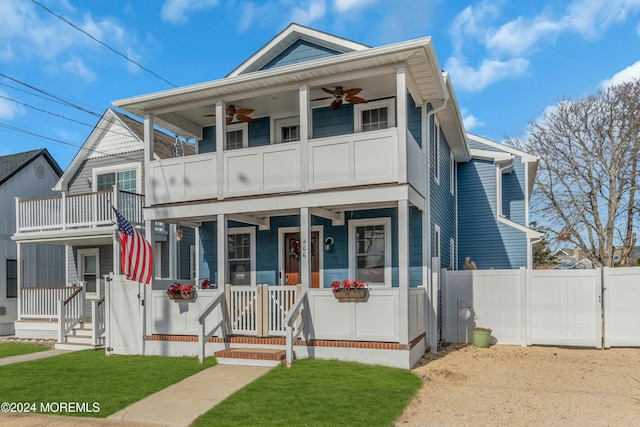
point(295, 328)
point(70, 312)
point(97, 320)
point(203, 336)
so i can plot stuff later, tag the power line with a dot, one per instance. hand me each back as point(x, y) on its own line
point(104, 44)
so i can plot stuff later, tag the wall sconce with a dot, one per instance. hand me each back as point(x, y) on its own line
point(328, 244)
point(178, 233)
point(88, 181)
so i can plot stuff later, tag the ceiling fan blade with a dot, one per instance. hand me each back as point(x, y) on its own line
point(332, 92)
point(244, 118)
point(356, 100)
point(209, 115)
point(354, 91)
point(336, 104)
point(229, 120)
point(244, 111)
point(323, 98)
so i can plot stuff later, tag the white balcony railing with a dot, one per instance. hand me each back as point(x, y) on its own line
point(76, 211)
point(356, 159)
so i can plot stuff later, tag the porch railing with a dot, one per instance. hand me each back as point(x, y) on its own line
point(97, 320)
point(70, 312)
point(77, 210)
point(42, 303)
point(280, 299)
point(203, 334)
point(294, 322)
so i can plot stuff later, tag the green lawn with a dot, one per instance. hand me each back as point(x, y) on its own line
point(318, 393)
point(14, 349)
point(89, 376)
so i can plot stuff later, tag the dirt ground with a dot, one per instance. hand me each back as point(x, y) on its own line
point(516, 386)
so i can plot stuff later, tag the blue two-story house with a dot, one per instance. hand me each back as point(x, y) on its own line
point(320, 159)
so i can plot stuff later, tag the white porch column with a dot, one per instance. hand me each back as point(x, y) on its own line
point(305, 135)
point(403, 269)
point(173, 252)
point(221, 137)
point(196, 231)
point(19, 284)
point(149, 149)
point(305, 248)
point(401, 110)
point(221, 242)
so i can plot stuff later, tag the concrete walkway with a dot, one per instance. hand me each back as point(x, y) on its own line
point(193, 396)
point(30, 356)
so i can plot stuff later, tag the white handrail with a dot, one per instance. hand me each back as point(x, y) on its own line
point(97, 320)
point(70, 312)
point(203, 337)
point(295, 313)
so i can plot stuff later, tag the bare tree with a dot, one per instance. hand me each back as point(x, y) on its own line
point(588, 172)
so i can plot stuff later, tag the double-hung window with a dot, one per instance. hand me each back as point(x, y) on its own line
point(286, 130)
point(241, 255)
point(237, 136)
point(12, 278)
point(374, 115)
point(370, 250)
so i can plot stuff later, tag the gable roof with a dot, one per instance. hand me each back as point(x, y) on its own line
point(288, 37)
point(11, 164)
point(132, 140)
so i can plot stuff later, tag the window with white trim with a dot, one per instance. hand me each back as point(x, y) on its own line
point(286, 130)
point(436, 149)
point(436, 241)
point(370, 250)
point(241, 256)
point(237, 136)
point(374, 115)
point(12, 278)
point(452, 174)
point(157, 261)
point(125, 176)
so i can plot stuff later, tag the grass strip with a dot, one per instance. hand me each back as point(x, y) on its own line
point(318, 393)
point(114, 382)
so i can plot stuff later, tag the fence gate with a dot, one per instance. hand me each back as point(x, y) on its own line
point(124, 316)
point(621, 307)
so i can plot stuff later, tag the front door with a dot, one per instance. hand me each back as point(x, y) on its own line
point(292, 253)
point(89, 270)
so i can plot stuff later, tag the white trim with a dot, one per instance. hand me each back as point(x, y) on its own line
point(452, 174)
point(437, 236)
point(137, 166)
point(384, 221)
point(436, 150)
point(81, 253)
point(359, 108)
point(526, 157)
point(234, 127)
point(251, 231)
point(277, 123)
point(284, 230)
point(192, 262)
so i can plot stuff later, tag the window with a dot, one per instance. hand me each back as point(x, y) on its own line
point(452, 174)
point(374, 115)
point(436, 241)
point(452, 254)
point(125, 176)
point(12, 278)
point(237, 136)
point(241, 256)
point(370, 248)
point(436, 149)
point(286, 130)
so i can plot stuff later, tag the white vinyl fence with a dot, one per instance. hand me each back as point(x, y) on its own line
point(546, 307)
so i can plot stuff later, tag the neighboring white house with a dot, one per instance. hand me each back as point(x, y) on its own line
point(31, 174)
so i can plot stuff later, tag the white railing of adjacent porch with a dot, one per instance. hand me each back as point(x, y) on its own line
point(70, 312)
point(42, 303)
point(77, 210)
point(97, 320)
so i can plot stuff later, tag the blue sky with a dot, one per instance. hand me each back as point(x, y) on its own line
point(508, 60)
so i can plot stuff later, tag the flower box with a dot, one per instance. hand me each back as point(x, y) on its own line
point(178, 291)
point(350, 291)
point(181, 296)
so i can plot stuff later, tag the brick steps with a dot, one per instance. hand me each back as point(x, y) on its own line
point(251, 356)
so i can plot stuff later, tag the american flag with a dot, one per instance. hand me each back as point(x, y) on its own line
point(136, 254)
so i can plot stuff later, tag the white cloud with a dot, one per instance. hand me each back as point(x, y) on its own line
point(313, 10)
point(8, 109)
point(346, 5)
point(77, 67)
point(176, 11)
point(520, 35)
point(472, 22)
point(470, 121)
point(632, 72)
point(490, 71)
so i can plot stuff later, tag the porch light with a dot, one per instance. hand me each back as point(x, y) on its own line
point(328, 244)
point(178, 233)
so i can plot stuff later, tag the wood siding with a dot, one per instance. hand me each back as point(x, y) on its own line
point(300, 51)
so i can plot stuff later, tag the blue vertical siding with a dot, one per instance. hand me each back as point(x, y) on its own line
point(330, 122)
point(414, 120)
point(513, 200)
point(300, 51)
point(259, 132)
point(208, 142)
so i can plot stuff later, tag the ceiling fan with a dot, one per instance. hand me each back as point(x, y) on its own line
point(238, 114)
point(341, 95)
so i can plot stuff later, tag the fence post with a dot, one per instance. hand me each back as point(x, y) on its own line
point(63, 210)
point(94, 321)
point(601, 282)
point(523, 305)
point(433, 308)
point(61, 320)
point(227, 300)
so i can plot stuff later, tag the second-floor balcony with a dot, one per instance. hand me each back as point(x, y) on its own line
point(77, 211)
point(351, 160)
